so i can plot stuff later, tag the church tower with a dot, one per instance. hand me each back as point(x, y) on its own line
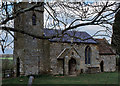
point(28, 50)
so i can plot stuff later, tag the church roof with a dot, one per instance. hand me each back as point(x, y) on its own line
point(78, 37)
point(104, 47)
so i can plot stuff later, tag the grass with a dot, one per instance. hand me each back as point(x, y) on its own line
point(9, 58)
point(100, 78)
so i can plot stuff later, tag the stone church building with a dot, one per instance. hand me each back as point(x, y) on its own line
point(67, 55)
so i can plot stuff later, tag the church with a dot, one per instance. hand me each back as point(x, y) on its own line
point(69, 54)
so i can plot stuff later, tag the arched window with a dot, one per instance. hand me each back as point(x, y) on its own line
point(18, 67)
point(33, 19)
point(87, 55)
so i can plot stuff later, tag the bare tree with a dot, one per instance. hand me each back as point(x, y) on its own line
point(63, 15)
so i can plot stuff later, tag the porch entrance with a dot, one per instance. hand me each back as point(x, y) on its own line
point(72, 66)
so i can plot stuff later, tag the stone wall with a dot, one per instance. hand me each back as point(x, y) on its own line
point(57, 48)
point(29, 49)
point(109, 62)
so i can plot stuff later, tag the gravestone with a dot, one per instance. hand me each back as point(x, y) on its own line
point(30, 81)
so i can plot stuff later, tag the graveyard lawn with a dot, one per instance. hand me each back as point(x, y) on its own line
point(99, 78)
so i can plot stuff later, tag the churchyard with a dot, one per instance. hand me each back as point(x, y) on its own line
point(98, 78)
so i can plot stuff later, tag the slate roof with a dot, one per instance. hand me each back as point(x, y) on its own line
point(76, 35)
point(104, 47)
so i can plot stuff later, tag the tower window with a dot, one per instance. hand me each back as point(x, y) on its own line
point(34, 19)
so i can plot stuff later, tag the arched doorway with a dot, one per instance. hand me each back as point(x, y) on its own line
point(101, 66)
point(72, 66)
point(18, 67)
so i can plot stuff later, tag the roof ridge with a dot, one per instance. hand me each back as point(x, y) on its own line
point(67, 30)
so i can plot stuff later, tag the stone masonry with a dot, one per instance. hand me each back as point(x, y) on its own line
point(43, 56)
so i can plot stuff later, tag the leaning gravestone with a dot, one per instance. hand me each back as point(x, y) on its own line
point(30, 81)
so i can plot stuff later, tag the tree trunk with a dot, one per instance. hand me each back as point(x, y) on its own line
point(116, 33)
point(116, 36)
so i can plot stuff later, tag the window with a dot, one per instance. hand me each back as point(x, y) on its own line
point(72, 53)
point(87, 55)
point(34, 19)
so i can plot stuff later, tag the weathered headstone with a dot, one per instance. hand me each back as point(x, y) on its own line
point(30, 81)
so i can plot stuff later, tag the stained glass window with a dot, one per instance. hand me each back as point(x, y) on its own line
point(87, 55)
